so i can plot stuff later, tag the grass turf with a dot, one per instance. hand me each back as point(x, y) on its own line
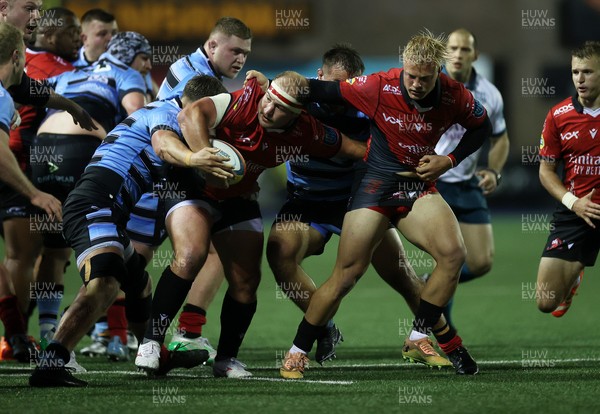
point(529, 362)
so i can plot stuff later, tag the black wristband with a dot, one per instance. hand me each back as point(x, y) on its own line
point(496, 173)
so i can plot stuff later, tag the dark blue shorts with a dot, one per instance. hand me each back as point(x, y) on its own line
point(466, 200)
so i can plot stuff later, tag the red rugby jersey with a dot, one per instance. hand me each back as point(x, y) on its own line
point(401, 134)
point(266, 148)
point(38, 65)
point(570, 134)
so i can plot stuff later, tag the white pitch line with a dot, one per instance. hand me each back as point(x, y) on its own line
point(397, 365)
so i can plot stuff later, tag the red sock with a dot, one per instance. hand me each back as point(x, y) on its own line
point(117, 321)
point(191, 321)
point(11, 316)
point(451, 345)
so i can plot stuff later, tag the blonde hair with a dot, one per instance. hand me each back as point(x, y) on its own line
point(426, 48)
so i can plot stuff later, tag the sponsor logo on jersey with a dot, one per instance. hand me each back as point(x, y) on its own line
point(563, 109)
point(542, 142)
point(567, 136)
point(394, 90)
point(593, 132)
point(392, 119)
point(331, 136)
point(478, 109)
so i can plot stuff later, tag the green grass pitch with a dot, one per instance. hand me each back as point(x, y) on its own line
point(529, 362)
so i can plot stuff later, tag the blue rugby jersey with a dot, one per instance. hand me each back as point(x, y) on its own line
point(127, 149)
point(106, 81)
point(7, 110)
point(183, 70)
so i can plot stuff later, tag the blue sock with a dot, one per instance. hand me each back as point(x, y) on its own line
point(100, 327)
point(330, 323)
point(48, 301)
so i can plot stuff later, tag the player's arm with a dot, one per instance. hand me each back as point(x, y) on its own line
point(11, 174)
point(431, 167)
point(133, 101)
point(325, 92)
point(352, 148)
point(195, 120)
point(169, 148)
point(497, 157)
point(584, 207)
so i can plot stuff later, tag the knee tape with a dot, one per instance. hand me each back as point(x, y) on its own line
point(103, 265)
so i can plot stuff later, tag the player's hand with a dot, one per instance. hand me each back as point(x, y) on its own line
point(49, 204)
point(587, 209)
point(81, 117)
point(15, 121)
point(263, 81)
point(488, 181)
point(207, 161)
point(432, 166)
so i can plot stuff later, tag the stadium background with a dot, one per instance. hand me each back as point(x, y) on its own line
point(530, 362)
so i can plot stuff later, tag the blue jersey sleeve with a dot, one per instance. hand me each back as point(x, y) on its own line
point(165, 119)
point(7, 110)
point(130, 81)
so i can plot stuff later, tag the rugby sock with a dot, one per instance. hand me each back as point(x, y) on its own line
point(169, 295)
point(447, 338)
point(448, 311)
point(117, 321)
point(307, 334)
point(235, 320)
point(466, 275)
point(426, 317)
point(451, 344)
point(101, 326)
point(48, 301)
point(191, 321)
point(55, 356)
point(11, 316)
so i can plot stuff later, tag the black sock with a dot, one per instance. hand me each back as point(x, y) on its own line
point(427, 316)
point(169, 295)
point(235, 320)
point(445, 334)
point(54, 356)
point(307, 334)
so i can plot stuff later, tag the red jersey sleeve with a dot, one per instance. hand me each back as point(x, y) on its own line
point(550, 147)
point(362, 93)
point(321, 140)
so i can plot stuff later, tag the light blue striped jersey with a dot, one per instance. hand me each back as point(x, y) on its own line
point(183, 70)
point(127, 149)
point(106, 81)
point(7, 110)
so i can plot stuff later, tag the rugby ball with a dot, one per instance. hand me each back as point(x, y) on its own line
point(235, 159)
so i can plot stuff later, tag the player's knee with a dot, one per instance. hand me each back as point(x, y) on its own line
point(103, 290)
point(452, 257)
point(104, 269)
point(245, 286)
point(188, 261)
point(480, 268)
